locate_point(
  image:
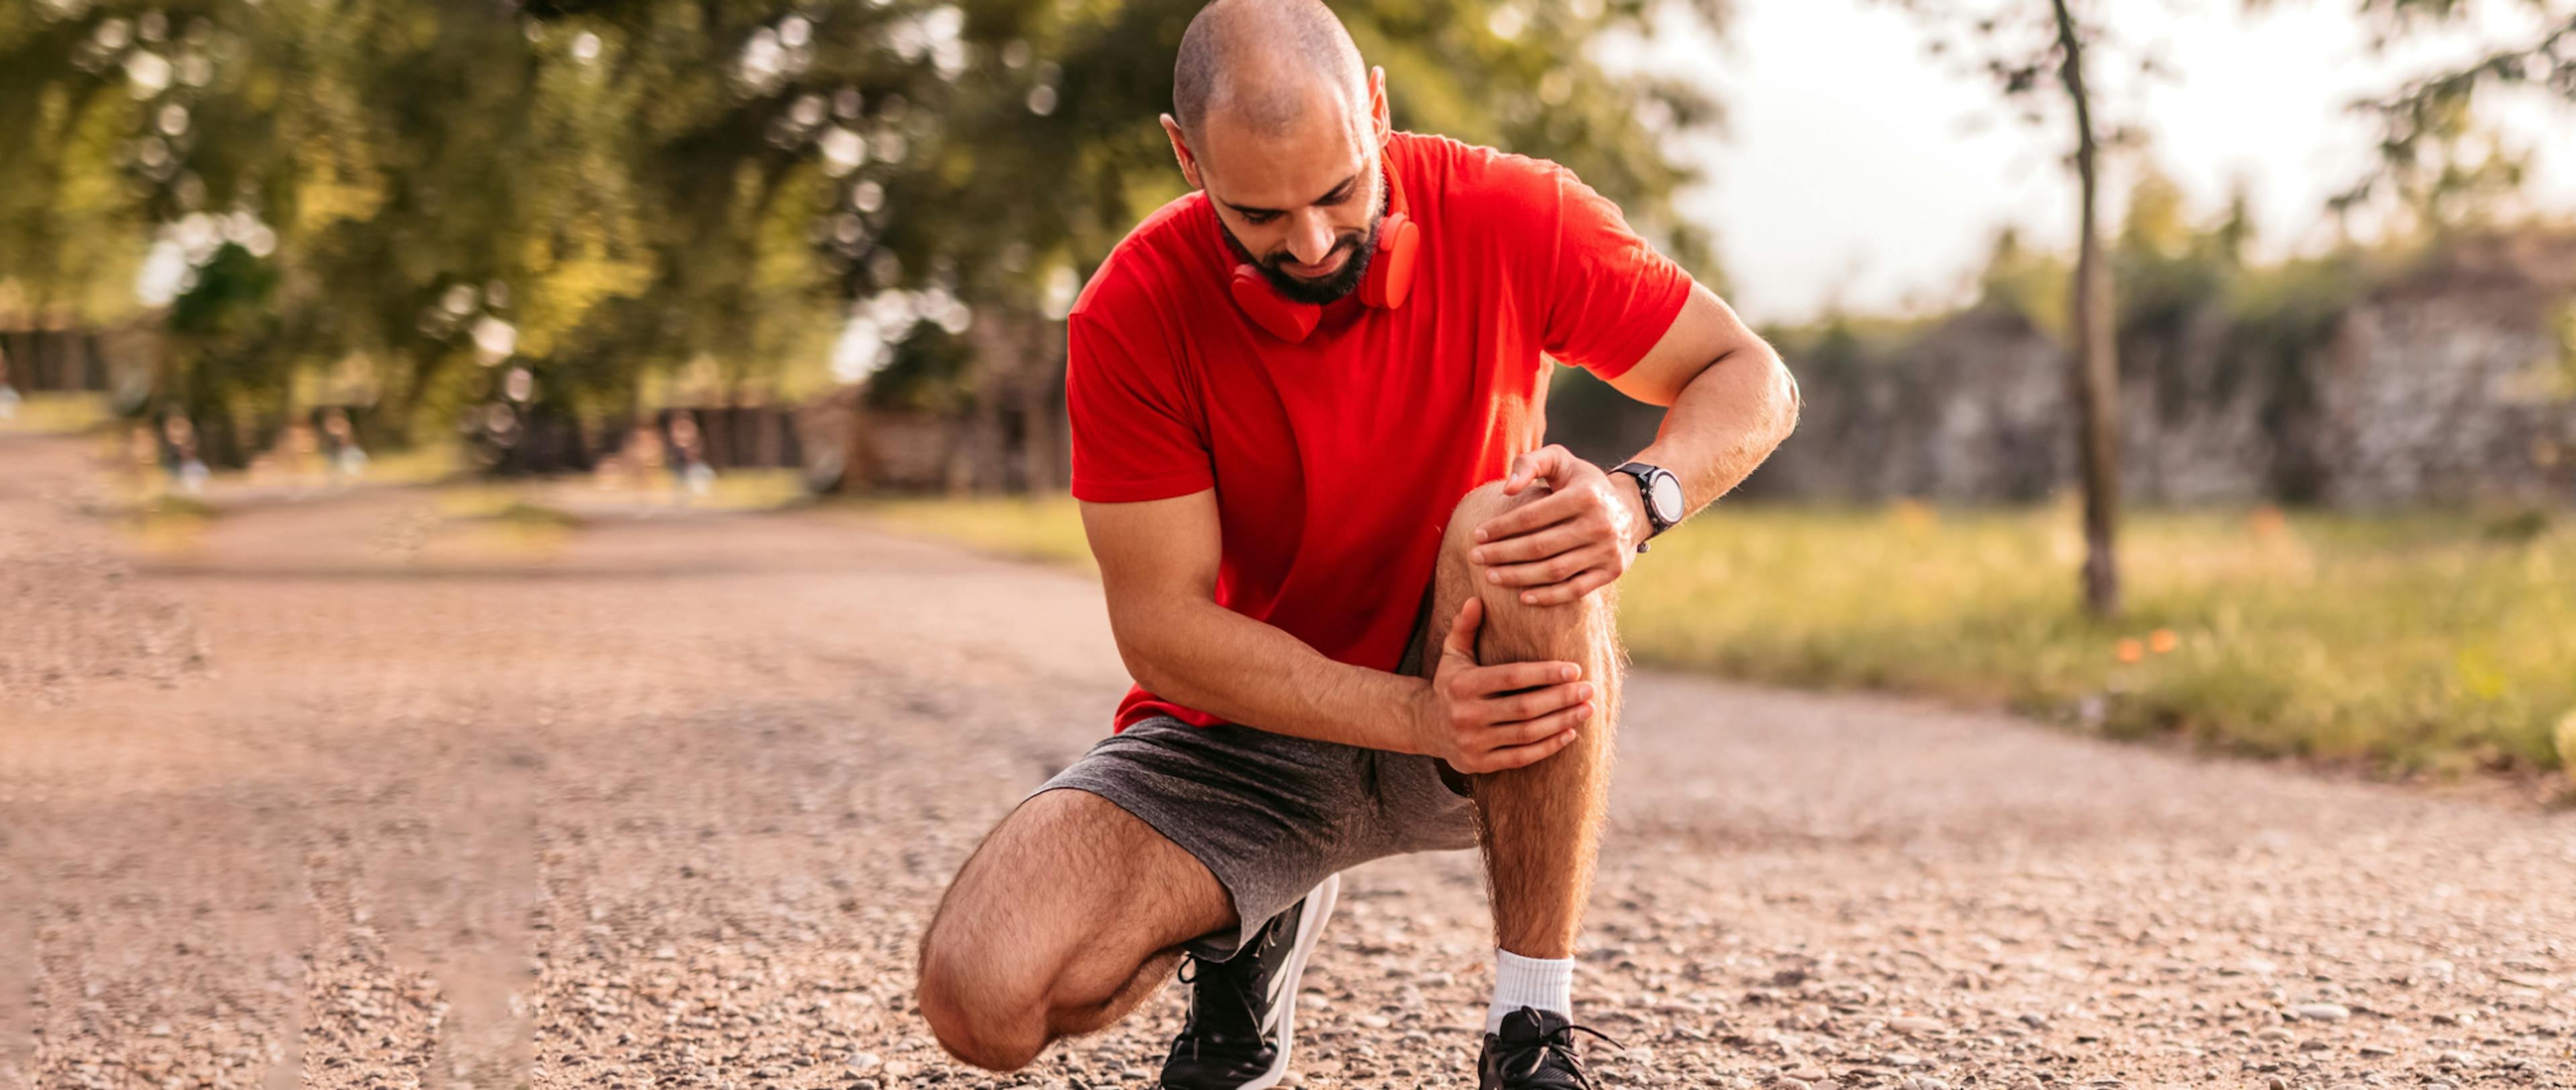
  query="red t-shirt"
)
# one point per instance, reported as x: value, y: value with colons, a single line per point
x: 1337, y: 460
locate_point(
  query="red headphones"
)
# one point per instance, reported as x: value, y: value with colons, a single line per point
x: 1389, y: 280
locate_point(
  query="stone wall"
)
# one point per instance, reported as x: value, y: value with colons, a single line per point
x: 2449, y: 384
x: 2454, y: 385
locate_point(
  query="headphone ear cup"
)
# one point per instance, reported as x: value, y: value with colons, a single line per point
x: 1284, y: 318
x: 1390, y: 275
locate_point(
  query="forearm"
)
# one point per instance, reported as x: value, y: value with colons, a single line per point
x: 1202, y: 655
x: 1726, y: 420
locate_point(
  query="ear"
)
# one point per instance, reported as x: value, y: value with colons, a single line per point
x: 1379, y: 123
x: 1181, y: 151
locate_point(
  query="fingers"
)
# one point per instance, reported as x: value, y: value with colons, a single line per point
x: 1548, y: 510
x: 1543, y: 462
x: 1510, y: 757
x: 1487, y: 739
x: 1483, y: 682
x: 1554, y: 569
x: 1522, y: 707
x: 1461, y: 640
x: 1531, y: 546
x: 1557, y: 594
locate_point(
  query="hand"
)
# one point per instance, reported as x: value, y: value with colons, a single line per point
x: 1569, y: 543
x: 1490, y: 718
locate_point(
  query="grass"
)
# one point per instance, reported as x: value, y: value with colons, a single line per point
x: 2433, y: 643
x: 58, y: 412
x: 1047, y: 529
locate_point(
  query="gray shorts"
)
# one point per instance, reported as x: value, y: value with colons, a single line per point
x: 1270, y: 815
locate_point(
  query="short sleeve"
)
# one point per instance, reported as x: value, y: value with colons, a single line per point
x: 1612, y: 296
x: 1133, y: 438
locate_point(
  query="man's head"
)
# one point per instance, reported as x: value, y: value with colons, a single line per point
x: 1274, y: 116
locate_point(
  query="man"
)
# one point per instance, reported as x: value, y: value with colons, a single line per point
x: 1368, y: 614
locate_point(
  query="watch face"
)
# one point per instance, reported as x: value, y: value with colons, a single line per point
x: 1667, y: 493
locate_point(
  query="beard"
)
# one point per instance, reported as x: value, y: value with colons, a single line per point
x: 1322, y: 290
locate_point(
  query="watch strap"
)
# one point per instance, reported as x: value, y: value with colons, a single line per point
x: 1644, y: 474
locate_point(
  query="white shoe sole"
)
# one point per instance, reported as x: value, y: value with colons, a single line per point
x: 1310, y: 927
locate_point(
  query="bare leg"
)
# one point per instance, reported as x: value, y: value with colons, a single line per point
x: 1539, y: 825
x: 1070, y: 914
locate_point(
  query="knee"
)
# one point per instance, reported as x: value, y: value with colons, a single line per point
x: 980, y: 1010
x: 1532, y: 630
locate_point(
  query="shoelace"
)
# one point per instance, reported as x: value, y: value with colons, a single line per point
x: 1562, y: 1041
x: 1241, y: 995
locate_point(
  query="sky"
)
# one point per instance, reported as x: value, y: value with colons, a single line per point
x: 1847, y: 174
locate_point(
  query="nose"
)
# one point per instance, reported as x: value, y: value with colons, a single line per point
x: 1312, y: 237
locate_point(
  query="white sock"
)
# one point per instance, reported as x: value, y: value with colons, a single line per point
x: 1529, y: 982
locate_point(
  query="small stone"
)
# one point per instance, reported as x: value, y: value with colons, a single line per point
x: 2455, y: 1058
x: 1915, y: 1026
x: 2322, y: 1012
x: 898, y: 1069
x: 864, y: 1062
x: 2034, y: 1021
x: 2273, y: 1033
x: 2276, y: 1082
x: 1807, y: 1074
x: 2377, y: 1051
x: 666, y: 954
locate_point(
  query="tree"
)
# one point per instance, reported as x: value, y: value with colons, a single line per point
x: 494, y: 210
x: 2435, y: 163
x: 2023, y: 47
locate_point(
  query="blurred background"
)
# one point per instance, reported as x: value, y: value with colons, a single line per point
x: 560, y: 257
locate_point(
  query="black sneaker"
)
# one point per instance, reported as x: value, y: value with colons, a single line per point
x: 1243, y: 1010
x: 1535, y: 1051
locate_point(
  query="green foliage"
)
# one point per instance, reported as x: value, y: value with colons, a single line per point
x: 677, y: 197
x: 2439, y: 169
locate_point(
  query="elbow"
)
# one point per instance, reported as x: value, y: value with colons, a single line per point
x: 1143, y: 654
x: 1785, y: 400
x: 1140, y: 666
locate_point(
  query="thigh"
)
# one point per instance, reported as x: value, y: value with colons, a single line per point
x: 1072, y: 890
x: 1269, y: 815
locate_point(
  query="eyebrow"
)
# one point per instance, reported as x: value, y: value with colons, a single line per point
x: 1337, y: 191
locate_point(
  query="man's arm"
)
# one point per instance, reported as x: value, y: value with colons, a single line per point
x: 1158, y: 566
x: 1731, y: 402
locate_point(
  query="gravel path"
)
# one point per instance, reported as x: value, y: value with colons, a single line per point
x: 665, y: 802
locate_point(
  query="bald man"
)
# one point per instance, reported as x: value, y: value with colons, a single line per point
x: 1367, y: 612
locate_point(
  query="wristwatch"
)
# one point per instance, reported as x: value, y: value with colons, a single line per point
x: 1663, y: 495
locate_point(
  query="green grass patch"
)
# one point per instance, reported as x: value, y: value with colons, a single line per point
x: 58, y: 413
x: 2441, y: 643
x: 1046, y: 528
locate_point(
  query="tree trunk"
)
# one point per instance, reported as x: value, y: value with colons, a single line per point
x: 1042, y: 423
x: 2097, y: 368
x: 980, y: 462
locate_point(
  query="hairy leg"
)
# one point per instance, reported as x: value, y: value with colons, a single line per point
x: 1538, y: 825
x: 1070, y: 914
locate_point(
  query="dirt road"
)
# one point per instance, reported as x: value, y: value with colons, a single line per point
x: 348, y: 794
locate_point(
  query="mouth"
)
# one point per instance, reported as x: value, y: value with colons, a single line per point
x: 1331, y: 264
